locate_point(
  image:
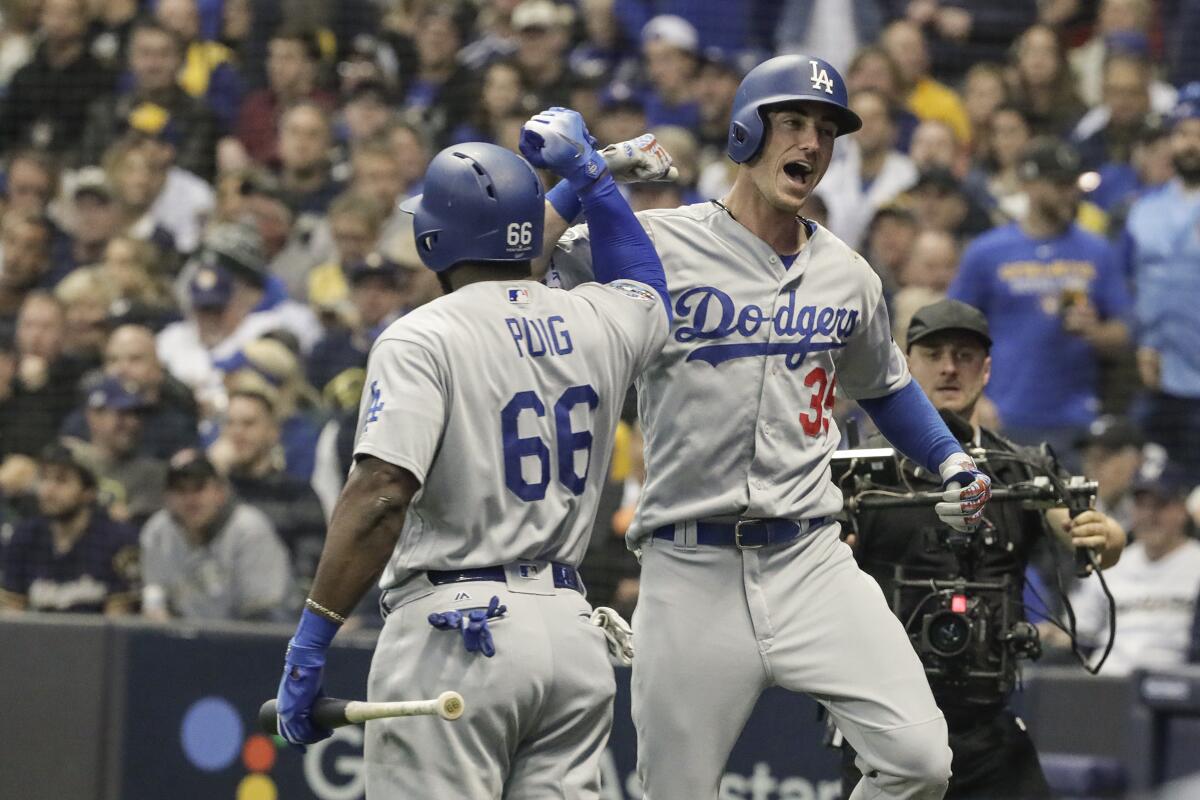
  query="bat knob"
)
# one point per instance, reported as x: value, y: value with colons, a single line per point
x: 450, y: 705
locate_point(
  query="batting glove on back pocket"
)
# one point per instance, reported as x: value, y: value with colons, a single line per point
x: 965, y: 492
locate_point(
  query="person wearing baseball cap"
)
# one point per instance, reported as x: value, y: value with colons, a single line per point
x: 71, y: 555
x: 1155, y: 584
x: 1165, y: 256
x: 1047, y: 286
x: 114, y: 411
x: 671, y: 49
x: 948, y: 344
x: 1113, y: 451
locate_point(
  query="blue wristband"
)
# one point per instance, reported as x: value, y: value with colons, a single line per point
x: 563, y: 199
x: 314, y: 630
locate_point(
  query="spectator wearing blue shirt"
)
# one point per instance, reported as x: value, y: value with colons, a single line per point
x: 1054, y: 296
x: 670, y: 48
x: 1163, y: 239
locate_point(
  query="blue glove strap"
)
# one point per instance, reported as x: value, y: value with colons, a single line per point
x: 587, y: 173
x: 563, y: 199
x: 315, y: 630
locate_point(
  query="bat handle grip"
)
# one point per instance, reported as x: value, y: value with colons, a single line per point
x: 328, y: 712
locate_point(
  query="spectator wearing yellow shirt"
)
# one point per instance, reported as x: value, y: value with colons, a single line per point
x: 927, y: 98
x: 355, y: 221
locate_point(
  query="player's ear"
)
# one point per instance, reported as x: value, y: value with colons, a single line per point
x: 987, y: 369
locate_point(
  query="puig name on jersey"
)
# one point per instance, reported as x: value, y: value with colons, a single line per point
x: 707, y: 313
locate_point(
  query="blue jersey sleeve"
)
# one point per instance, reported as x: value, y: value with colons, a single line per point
x: 909, y: 421
x: 1112, y: 293
x: 621, y: 248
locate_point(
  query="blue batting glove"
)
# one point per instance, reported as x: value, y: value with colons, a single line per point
x: 965, y: 491
x: 477, y: 636
x: 300, y: 687
x: 557, y: 139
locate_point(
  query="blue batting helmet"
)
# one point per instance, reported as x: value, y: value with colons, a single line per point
x: 785, y: 79
x: 481, y: 203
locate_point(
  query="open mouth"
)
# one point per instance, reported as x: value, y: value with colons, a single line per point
x: 797, y: 170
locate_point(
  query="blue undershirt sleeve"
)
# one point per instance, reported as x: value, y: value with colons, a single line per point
x: 910, y: 422
x: 621, y: 248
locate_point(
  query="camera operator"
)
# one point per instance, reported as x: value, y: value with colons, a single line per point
x: 948, y: 354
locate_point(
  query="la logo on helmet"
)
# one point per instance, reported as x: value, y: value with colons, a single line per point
x: 820, y: 78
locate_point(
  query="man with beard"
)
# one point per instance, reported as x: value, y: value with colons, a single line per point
x: 71, y: 556
x: 1053, y: 295
x: 1163, y: 237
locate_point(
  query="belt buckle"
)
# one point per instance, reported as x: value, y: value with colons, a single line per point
x: 737, y: 534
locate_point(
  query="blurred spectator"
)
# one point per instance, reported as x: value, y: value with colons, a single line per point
x: 47, y: 100
x: 167, y: 408
x: 97, y: 217
x: 939, y: 200
x: 133, y: 269
x: 494, y: 35
x: 365, y: 113
x: 927, y: 98
x: 1164, y: 255
x: 207, y: 556
x: 670, y: 49
x: 355, y: 221
x: 30, y: 181
x: 543, y: 36
x: 985, y: 89
x: 1042, y: 83
x: 46, y: 380
x: 185, y: 202
x: 20, y: 18
x: 824, y: 28
x: 1154, y: 585
x: 1117, y: 22
x: 112, y: 20
x: 250, y: 453
x: 605, y: 53
x: 1185, y: 50
x: 294, y: 55
x: 412, y: 150
x: 1112, y: 456
x: 935, y: 146
x: 292, y: 245
x: 269, y: 367
x: 1046, y: 286
x: 502, y: 96
x: 305, y: 142
x: 155, y: 57
x: 137, y: 179
x: 209, y: 72
x: 927, y: 274
x: 1109, y: 137
x: 623, y: 115
x: 70, y: 556
x: 232, y: 302
x: 657, y: 194
x: 872, y: 68
x: 130, y: 482
x: 377, y: 173
x: 440, y: 93
x: 964, y: 32
x: 25, y: 248
x: 1119, y: 184
x: 86, y: 299
x: 377, y: 297
x: 995, y: 176
x: 685, y: 150
x: 889, y: 240
x: 716, y: 84
x: 869, y: 173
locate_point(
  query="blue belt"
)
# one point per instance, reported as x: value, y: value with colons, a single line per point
x: 565, y: 576
x: 746, y: 534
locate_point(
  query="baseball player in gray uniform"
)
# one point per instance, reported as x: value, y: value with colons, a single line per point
x: 484, y: 436
x: 745, y: 581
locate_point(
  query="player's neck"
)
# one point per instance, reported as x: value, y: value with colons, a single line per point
x: 468, y: 273
x: 779, y: 228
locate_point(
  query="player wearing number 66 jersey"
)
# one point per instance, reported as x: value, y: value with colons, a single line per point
x: 483, y: 437
x: 745, y: 581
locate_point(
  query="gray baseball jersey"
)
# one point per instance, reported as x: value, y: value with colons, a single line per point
x: 502, y: 399
x: 737, y: 411
x: 737, y: 408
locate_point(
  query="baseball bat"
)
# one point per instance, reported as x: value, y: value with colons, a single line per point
x: 332, y: 712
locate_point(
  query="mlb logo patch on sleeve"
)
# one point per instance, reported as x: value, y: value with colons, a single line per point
x: 518, y: 295
x: 635, y: 290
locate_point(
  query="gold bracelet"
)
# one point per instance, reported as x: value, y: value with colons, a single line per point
x: 322, y: 610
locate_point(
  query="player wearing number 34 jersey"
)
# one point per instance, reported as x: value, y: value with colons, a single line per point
x: 745, y: 582
x: 484, y: 435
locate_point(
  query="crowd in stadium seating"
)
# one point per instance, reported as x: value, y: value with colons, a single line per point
x: 199, y: 240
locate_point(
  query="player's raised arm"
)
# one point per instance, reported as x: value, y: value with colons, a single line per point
x: 621, y: 249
